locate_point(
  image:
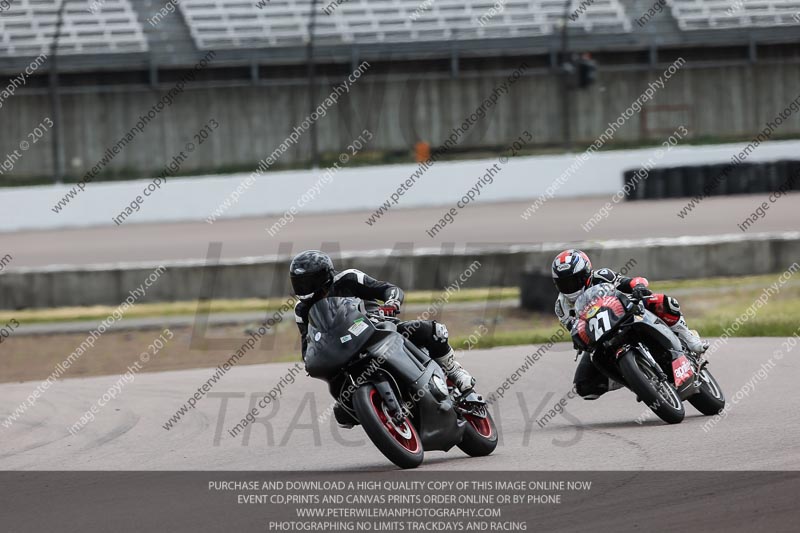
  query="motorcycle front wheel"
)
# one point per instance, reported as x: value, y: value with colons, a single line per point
x: 660, y: 396
x: 400, y: 443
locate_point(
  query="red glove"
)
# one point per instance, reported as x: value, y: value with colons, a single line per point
x: 389, y: 308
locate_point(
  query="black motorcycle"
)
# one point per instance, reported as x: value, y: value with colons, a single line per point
x: 632, y: 346
x: 391, y: 387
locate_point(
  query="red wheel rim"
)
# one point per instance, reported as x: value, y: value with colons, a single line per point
x: 481, y: 425
x: 411, y: 443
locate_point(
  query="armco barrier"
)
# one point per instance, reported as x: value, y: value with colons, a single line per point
x: 500, y: 266
x: 710, y: 179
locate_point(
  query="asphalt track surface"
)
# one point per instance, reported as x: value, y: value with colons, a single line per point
x: 559, y: 220
x: 759, y: 433
x: 758, y: 443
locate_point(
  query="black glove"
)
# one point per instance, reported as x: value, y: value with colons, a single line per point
x: 640, y: 292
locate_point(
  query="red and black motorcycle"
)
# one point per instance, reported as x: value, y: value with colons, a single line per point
x: 632, y: 346
x: 393, y: 389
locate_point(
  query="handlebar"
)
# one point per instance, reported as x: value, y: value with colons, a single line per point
x: 387, y: 318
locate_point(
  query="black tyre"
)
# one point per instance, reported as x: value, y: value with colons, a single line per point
x: 480, y: 435
x: 660, y: 397
x: 710, y: 400
x: 400, y: 444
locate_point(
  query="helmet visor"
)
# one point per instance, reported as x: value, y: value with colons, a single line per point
x: 570, y: 285
x: 306, y: 285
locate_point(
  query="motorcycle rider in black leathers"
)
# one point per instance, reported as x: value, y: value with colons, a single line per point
x: 572, y: 274
x: 313, y: 277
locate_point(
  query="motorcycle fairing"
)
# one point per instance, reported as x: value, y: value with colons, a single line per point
x: 330, y: 351
x: 331, y: 322
x: 438, y: 426
x: 654, y: 331
x: 435, y: 420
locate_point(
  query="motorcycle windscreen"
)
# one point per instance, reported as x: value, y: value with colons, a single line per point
x: 337, y: 332
x: 599, y: 310
x: 593, y: 293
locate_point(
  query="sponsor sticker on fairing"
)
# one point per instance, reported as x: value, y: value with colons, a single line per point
x: 682, y: 369
x: 345, y: 339
x: 358, y: 328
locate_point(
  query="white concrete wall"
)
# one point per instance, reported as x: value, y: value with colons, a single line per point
x: 366, y: 188
x: 422, y: 269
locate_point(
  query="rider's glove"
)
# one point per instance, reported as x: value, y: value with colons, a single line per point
x: 641, y: 292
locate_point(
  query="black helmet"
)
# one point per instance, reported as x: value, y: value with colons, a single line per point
x: 571, y: 271
x: 311, y: 273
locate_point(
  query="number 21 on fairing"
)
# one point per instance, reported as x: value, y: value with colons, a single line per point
x: 599, y: 324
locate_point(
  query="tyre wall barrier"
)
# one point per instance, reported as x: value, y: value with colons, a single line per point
x: 712, y: 180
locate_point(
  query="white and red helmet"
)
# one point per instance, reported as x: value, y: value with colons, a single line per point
x: 571, y: 272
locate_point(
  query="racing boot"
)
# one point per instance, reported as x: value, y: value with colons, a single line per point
x: 689, y: 337
x: 460, y: 377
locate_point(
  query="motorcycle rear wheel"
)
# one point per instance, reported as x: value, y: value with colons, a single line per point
x: 665, y: 403
x: 480, y: 436
x: 710, y: 400
x: 399, y: 443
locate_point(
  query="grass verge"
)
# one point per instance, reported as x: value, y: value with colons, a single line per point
x: 162, y: 309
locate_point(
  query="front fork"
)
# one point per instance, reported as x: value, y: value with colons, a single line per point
x: 686, y: 389
x: 652, y: 362
x: 393, y: 407
x: 611, y: 371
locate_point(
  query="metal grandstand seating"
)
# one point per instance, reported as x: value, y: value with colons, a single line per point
x: 240, y: 23
x: 28, y: 26
x: 239, y: 26
x: 708, y: 14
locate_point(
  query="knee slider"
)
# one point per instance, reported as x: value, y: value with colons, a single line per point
x: 672, y: 306
x: 440, y: 333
